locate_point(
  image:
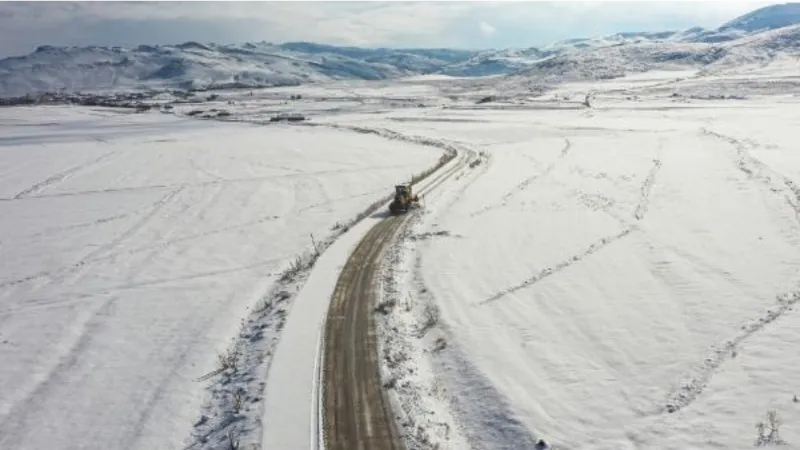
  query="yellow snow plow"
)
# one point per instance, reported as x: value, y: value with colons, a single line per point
x: 404, y: 199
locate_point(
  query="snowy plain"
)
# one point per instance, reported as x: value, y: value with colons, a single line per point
x: 623, y: 276
x: 620, y: 276
x: 133, y: 245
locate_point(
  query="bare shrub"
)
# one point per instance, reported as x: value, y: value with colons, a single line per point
x: 768, y: 431
x: 587, y: 101
x: 238, y: 400
x: 385, y: 307
x: 297, y: 265
x: 266, y: 305
x: 430, y: 317
x: 233, y: 441
x: 390, y: 384
x: 409, y: 303
x: 229, y: 360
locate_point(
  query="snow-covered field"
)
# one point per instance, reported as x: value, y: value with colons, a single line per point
x: 621, y: 276
x: 133, y: 246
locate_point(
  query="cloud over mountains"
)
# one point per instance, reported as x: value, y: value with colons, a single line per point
x: 26, y: 25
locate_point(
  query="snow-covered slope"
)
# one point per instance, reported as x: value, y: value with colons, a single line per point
x: 610, y: 61
x: 767, y: 18
x: 495, y: 62
x: 761, y: 48
x: 618, y: 60
x: 194, y: 65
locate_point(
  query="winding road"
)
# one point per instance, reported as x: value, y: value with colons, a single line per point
x: 356, y: 413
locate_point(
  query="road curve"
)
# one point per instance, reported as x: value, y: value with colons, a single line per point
x: 357, y: 415
x: 355, y: 411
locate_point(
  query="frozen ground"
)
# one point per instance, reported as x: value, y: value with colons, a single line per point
x: 619, y: 277
x: 132, y: 247
x: 623, y: 276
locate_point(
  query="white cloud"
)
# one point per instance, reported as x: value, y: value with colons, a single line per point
x: 43, y: 10
x: 23, y: 25
x: 486, y: 29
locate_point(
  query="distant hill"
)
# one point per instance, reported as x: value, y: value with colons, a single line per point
x: 194, y: 65
x: 767, y: 18
x: 604, y: 62
x: 759, y: 36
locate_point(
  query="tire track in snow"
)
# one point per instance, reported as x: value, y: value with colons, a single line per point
x: 695, y: 383
x: 544, y: 273
x: 203, y: 170
x: 526, y: 182
x: 157, y: 245
x: 60, y: 372
x: 754, y: 168
x: 59, y: 177
x: 66, y: 228
x: 141, y: 223
x: 77, y: 297
x: 340, y: 199
x: 641, y: 210
x: 254, y: 179
x: 647, y: 186
x: 92, y: 256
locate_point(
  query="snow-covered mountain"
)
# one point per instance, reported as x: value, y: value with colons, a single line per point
x: 767, y: 18
x: 617, y: 60
x: 195, y: 65
x: 496, y: 62
x: 753, y: 38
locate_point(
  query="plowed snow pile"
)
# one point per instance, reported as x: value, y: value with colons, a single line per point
x: 623, y: 277
x: 133, y: 245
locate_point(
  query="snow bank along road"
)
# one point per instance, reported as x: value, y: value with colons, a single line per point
x: 132, y: 246
x: 293, y: 380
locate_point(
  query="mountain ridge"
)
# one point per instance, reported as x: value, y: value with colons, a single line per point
x: 753, y: 37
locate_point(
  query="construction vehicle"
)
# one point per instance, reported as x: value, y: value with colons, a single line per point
x: 404, y: 199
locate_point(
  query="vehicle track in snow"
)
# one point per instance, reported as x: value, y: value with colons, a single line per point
x: 526, y: 182
x: 647, y: 186
x: 158, y: 245
x: 254, y: 179
x: 698, y: 379
x: 641, y: 210
x: 546, y: 272
x: 94, y: 255
x: 755, y: 169
x: 59, y: 177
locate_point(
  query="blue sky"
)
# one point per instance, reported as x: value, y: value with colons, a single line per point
x: 25, y: 25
